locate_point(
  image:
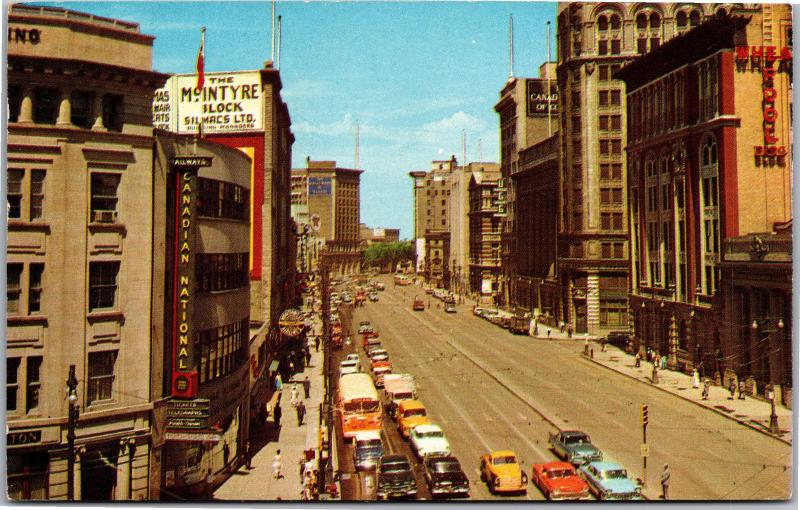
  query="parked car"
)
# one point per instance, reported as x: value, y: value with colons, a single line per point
x: 364, y: 327
x: 609, y: 480
x: 349, y: 367
x: 418, y: 305
x: 395, y: 477
x: 445, y: 476
x: 501, y: 471
x: 575, y: 446
x: 367, y: 450
x: 477, y: 311
x: 380, y: 369
x: 380, y: 286
x: 559, y: 480
x: 373, y: 296
x: 428, y: 439
x: 450, y: 307
x: 351, y: 357
x: 372, y: 353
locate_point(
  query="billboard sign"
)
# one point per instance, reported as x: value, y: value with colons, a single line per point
x: 319, y: 185
x: 540, y: 99
x: 229, y: 102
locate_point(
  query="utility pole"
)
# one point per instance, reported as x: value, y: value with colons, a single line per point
x: 645, y: 447
x: 72, y: 420
x: 325, y: 291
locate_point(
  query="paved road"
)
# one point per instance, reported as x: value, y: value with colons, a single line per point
x: 490, y: 389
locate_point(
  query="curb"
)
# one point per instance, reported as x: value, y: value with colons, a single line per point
x: 699, y: 404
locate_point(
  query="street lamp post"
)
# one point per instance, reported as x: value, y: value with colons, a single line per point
x: 763, y: 325
x: 72, y: 420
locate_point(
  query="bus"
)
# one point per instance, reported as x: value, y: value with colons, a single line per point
x: 358, y: 405
x: 401, y: 279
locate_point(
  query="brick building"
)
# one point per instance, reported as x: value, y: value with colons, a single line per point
x: 708, y: 164
x: 484, y: 236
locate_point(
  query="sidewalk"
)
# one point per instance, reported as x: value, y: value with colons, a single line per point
x: 752, y: 412
x: 257, y: 483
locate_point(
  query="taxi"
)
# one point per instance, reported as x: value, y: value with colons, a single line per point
x: 502, y: 472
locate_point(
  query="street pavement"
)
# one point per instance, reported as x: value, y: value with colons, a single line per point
x: 489, y: 389
x: 258, y: 483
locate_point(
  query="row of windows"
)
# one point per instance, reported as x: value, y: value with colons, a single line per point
x: 611, y: 147
x: 610, y: 122
x: 45, y: 103
x: 222, y: 349
x: 221, y: 271
x: 219, y: 199
x: 612, y: 250
x: 611, y: 196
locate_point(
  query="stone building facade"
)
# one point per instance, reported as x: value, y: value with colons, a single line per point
x: 484, y: 236
x: 80, y: 256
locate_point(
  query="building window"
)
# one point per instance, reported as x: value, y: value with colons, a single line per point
x: 616, y: 122
x: 45, y: 105
x: 15, y: 176
x: 616, y: 98
x: 616, y: 46
x: 112, y: 112
x: 222, y: 349
x: 35, y: 288
x: 603, y: 123
x: 618, y: 251
x: 602, y: 47
x: 14, y: 102
x: 102, y: 285
x: 604, y: 147
x: 101, y: 376
x: 221, y: 271
x: 694, y: 18
x: 33, y: 383
x: 81, y: 103
x: 602, y: 97
x: 219, y: 199
x: 13, y: 288
x: 12, y: 383
x: 27, y: 476
x: 104, y: 197
x: 602, y: 73
x: 576, y: 99
x: 37, y: 194
x: 681, y: 19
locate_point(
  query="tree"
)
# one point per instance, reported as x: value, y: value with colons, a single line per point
x: 383, y: 254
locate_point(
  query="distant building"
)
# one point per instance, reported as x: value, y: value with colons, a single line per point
x: 82, y: 286
x: 484, y: 236
x: 709, y: 181
x: 371, y: 235
x: 329, y: 197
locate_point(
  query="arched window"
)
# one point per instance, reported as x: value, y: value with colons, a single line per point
x: 710, y: 227
x: 681, y: 19
x: 655, y: 20
x: 694, y: 18
x: 722, y: 12
x: 641, y: 21
x: 616, y: 22
x: 602, y: 23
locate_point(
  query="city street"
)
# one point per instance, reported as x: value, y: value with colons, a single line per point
x: 489, y: 389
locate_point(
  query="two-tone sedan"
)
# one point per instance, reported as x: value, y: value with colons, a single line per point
x: 559, y: 480
x: 609, y: 481
x: 502, y: 472
x: 428, y: 439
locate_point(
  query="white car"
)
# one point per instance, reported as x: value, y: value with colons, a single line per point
x: 429, y: 439
x: 351, y: 357
x: 378, y: 355
x: 349, y: 367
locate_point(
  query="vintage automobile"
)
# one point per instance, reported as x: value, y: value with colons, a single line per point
x: 371, y: 342
x: 609, y: 481
x: 380, y: 286
x: 351, y: 357
x: 559, y: 480
x: 574, y: 446
x: 367, y: 450
x: 397, y: 388
x: 410, y: 413
x: 477, y: 311
x: 373, y: 296
x: 379, y: 370
x: 445, y: 477
x: 349, y: 367
x: 418, y: 305
x: 450, y: 307
x: 502, y: 472
x: 427, y: 440
x: 378, y: 354
x: 395, y: 478
x: 364, y: 327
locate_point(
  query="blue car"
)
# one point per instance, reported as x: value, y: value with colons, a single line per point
x: 609, y: 480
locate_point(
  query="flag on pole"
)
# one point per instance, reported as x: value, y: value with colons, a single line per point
x: 201, y: 57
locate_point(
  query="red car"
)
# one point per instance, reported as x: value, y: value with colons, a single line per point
x: 559, y: 480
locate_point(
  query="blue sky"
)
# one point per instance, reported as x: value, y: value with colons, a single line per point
x: 414, y: 75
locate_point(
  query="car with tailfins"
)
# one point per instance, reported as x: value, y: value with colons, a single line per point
x: 428, y: 439
x: 444, y: 476
x: 559, y: 480
x: 574, y: 446
x: 609, y: 481
x: 502, y: 472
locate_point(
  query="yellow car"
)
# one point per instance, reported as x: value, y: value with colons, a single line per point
x: 502, y: 472
x: 410, y: 413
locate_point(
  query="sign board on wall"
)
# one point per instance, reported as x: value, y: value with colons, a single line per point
x: 540, y: 99
x: 228, y: 103
x: 319, y: 185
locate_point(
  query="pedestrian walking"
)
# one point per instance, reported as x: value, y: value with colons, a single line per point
x: 291, y: 368
x: 603, y: 344
x: 706, y: 385
x: 248, y: 452
x: 277, y: 466
x: 278, y: 382
x: 308, y: 356
x: 665, y: 483
x: 732, y: 388
x: 306, y: 386
x: 316, y: 343
x: 301, y: 412
x: 209, y: 485
x: 226, y: 453
x: 695, y: 379
x: 276, y: 414
x: 741, y: 389
x: 586, y: 346
x: 637, y: 360
x: 569, y: 331
x: 295, y: 397
x: 302, y: 464
x: 561, y: 325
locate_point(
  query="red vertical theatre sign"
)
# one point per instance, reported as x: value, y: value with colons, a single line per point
x: 768, y: 60
x: 184, y: 371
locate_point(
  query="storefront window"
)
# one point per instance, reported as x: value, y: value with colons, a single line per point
x: 27, y: 476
